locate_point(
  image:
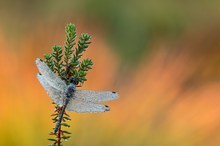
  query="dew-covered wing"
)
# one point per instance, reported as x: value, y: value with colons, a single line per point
x: 80, y: 106
x: 56, y: 95
x: 95, y: 96
x: 52, y: 79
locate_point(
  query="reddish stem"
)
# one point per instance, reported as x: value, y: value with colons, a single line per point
x: 58, y: 110
x: 58, y: 137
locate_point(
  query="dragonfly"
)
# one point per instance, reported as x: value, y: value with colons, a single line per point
x: 68, y: 97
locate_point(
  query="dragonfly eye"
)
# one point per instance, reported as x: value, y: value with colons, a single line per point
x: 74, y: 81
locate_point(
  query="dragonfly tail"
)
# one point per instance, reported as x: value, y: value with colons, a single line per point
x: 56, y: 127
x: 61, y: 116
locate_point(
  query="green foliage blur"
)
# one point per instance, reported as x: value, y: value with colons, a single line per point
x: 131, y: 26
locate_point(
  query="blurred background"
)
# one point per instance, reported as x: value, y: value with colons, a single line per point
x: 163, y: 57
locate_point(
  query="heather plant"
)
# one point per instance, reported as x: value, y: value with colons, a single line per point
x: 66, y: 63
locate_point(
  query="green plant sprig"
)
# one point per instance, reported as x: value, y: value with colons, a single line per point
x: 66, y: 64
x: 70, y: 42
x: 79, y: 69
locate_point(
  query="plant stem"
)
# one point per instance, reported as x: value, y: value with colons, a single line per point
x: 59, y: 135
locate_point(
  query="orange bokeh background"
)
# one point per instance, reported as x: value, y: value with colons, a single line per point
x: 168, y: 97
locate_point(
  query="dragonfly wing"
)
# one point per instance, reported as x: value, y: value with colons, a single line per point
x: 95, y: 96
x: 51, y: 78
x: 80, y: 106
x: 55, y: 95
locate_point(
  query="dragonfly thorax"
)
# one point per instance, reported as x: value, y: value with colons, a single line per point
x: 70, y: 90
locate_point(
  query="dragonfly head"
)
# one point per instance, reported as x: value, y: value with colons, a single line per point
x: 74, y: 81
x: 70, y: 90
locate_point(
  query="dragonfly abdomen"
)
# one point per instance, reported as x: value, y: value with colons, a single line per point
x: 61, y: 116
